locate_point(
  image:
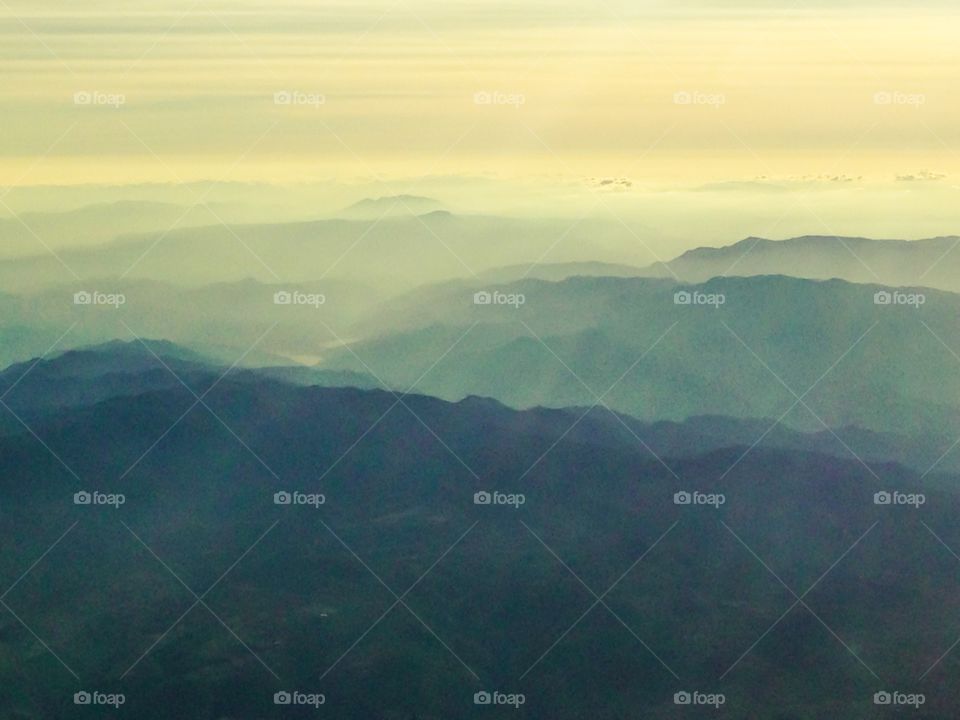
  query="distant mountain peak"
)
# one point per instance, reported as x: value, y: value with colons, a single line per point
x: 393, y: 206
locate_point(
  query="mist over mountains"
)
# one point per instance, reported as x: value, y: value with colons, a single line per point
x: 402, y: 241
x: 31, y: 233
x: 202, y: 284
x: 772, y: 340
x: 467, y: 360
x: 224, y: 320
x: 395, y: 252
x: 583, y: 329
x: 397, y: 364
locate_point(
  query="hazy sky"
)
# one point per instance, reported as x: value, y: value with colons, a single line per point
x: 657, y: 92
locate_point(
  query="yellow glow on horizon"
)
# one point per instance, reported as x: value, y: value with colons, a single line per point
x: 660, y: 95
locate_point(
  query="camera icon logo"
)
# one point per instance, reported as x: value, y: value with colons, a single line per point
x: 482, y: 298
x: 482, y: 698
x: 682, y: 698
x: 682, y: 498
x: 882, y: 698
x: 282, y: 698
x: 882, y: 498
x: 482, y: 498
x: 82, y: 698
x: 82, y: 498
x: 482, y: 98
x: 282, y: 498
x: 882, y: 297
x: 284, y: 97
x: 82, y: 298
x: 682, y: 297
x: 683, y: 97
x: 282, y: 297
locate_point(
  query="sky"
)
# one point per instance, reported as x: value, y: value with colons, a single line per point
x: 550, y: 99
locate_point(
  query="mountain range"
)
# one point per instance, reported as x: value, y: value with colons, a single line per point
x: 814, y: 354
x: 491, y: 597
x: 396, y: 252
x: 929, y: 262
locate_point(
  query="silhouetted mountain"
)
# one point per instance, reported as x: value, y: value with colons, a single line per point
x: 929, y: 263
x: 42, y: 389
x: 398, y: 585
